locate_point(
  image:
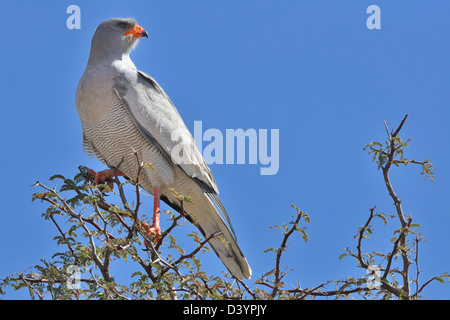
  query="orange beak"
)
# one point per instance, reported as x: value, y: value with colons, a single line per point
x: 136, y: 31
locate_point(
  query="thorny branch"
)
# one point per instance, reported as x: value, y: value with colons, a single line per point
x: 280, y: 251
x: 386, y: 157
x: 164, y: 274
x: 156, y: 267
x: 393, y: 154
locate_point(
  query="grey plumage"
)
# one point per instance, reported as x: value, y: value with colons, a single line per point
x: 124, y: 110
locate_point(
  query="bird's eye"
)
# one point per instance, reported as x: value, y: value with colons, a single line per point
x: 122, y: 25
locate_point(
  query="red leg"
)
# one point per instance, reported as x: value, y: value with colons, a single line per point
x: 154, y: 228
x: 106, y: 176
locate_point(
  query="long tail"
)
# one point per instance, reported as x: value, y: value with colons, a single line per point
x: 207, y: 217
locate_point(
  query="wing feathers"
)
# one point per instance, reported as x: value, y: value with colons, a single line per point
x: 207, y: 188
x: 157, y: 118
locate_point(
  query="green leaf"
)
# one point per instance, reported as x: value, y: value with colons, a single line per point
x: 382, y: 217
x: 304, y: 234
x: 439, y: 279
x: 57, y: 176
x: 343, y: 255
x: 270, y: 250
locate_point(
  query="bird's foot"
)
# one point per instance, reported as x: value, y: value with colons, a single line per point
x: 151, y: 232
x: 105, y: 177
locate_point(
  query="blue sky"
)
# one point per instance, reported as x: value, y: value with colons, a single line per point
x: 311, y: 69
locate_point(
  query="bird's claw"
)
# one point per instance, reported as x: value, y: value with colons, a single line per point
x: 151, y: 232
x: 105, y: 176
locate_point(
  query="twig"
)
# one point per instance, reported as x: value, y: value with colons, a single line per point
x: 280, y: 251
x: 168, y: 230
x: 400, y: 126
x: 98, y: 262
x: 398, y: 206
x: 190, y: 255
x: 21, y: 277
x: 417, y: 267
x: 64, y: 237
x: 361, y: 236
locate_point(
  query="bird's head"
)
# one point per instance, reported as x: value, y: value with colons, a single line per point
x: 118, y: 34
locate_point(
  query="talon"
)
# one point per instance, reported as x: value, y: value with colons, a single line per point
x: 106, y: 176
x: 154, y: 229
x: 151, y: 231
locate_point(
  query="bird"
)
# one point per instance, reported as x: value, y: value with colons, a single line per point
x: 125, y: 114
